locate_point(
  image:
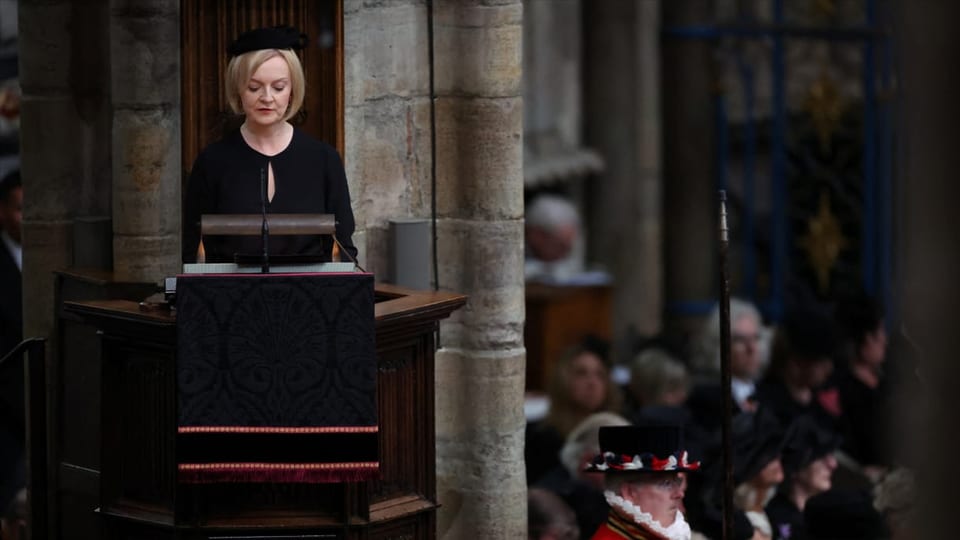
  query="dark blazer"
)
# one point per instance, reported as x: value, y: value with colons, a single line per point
x: 11, y: 302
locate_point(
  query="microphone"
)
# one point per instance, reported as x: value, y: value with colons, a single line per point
x: 265, y: 228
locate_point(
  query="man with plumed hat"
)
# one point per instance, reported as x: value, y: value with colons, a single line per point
x: 644, y: 471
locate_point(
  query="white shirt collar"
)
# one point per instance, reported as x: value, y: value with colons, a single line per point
x: 741, y: 390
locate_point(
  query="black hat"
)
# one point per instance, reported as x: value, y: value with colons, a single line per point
x: 650, y: 448
x: 757, y: 440
x: 712, y: 524
x: 277, y: 37
x: 842, y: 515
x: 810, y: 331
x: 805, y: 442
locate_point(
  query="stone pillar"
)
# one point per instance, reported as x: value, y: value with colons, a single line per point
x: 145, y: 84
x: 689, y: 81
x: 927, y: 195
x: 387, y: 120
x: 481, y: 364
x: 65, y: 121
x: 622, y: 120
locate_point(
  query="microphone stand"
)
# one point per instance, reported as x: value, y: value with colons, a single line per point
x: 265, y: 228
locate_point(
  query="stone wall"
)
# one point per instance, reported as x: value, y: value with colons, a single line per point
x: 479, y: 115
x: 145, y: 86
x: 64, y: 139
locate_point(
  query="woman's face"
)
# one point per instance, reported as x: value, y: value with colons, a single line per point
x: 770, y: 475
x: 874, y: 347
x: 587, y: 381
x: 266, y: 95
x: 817, y: 477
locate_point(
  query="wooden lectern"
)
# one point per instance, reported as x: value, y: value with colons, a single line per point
x: 140, y: 495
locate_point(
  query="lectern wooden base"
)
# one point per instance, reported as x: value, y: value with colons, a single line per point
x: 140, y: 497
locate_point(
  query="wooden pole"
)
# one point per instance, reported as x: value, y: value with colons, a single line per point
x: 725, y: 372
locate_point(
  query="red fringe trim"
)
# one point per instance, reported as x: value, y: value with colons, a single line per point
x: 269, y: 429
x: 278, y: 475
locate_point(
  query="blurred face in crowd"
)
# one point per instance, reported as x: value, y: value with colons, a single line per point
x: 873, y: 350
x: 551, y: 245
x: 770, y: 475
x: 587, y: 380
x: 817, y: 477
x: 660, y: 495
x: 11, y: 214
x: 267, y: 94
x: 745, y: 348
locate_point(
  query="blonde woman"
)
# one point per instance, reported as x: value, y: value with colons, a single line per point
x: 267, y: 162
x: 580, y: 385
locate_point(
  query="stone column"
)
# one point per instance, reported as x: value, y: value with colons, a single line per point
x: 481, y: 363
x: 622, y: 118
x: 928, y: 261
x: 145, y: 84
x: 689, y: 159
x: 65, y: 126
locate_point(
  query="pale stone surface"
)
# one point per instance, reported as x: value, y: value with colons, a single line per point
x: 146, y: 157
x: 480, y: 478
x: 480, y: 158
x: 478, y: 50
x: 47, y: 247
x: 49, y: 125
x: 145, y: 58
x: 386, y: 51
x: 145, y: 259
x: 388, y: 144
x: 44, y: 46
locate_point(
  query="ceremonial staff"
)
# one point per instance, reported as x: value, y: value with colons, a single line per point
x: 725, y: 372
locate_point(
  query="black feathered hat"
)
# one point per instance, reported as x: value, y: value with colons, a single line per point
x: 757, y: 440
x: 276, y: 37
x: 649, y: 448
x: 805, y: 442
x: 842, y: 515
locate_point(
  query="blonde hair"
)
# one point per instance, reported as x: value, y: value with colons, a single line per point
x: 654, y: 373
x: 564, y: 414
x: 243, y: 66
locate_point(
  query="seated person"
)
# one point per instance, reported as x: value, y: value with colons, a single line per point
x: 554, y: 239
x: 581, y: 490
x: 808, y: 465
x: 549, y: 518
x: 580, y: 385
x: 801, y: 362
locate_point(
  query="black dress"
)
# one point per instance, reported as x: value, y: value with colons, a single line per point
x: 226, y: 179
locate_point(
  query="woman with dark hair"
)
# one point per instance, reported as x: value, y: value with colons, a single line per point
x: 808, y: 465
x: 801, y: 363
x: 861, y: 385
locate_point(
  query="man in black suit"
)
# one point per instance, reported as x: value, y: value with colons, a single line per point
x: 12, y: 470
x: 11, y: 303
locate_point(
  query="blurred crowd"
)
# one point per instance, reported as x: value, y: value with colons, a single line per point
x: 818, y: 409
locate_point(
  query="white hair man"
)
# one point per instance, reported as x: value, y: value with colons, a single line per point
x: 644, y: 471
x: 554, y: 239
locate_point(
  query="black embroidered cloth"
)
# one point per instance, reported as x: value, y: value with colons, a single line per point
x: 276, y: 378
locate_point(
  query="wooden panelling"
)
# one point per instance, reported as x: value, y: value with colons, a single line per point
x: 208, y: 26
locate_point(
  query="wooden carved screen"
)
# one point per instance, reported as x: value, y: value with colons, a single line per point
x: 208, y: 26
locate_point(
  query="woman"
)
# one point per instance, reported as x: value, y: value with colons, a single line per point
x: 808, y: 465
x: 267, y: 162
x: 580, y: 386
